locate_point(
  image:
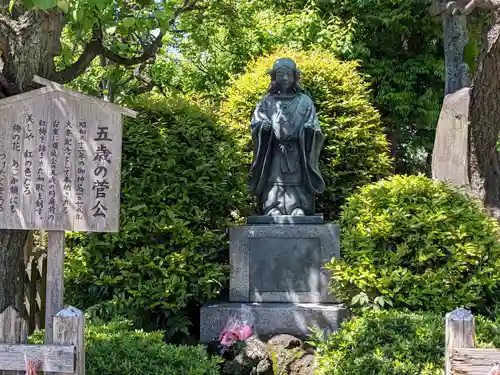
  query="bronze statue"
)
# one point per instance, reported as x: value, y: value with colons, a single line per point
x: 287, y: 138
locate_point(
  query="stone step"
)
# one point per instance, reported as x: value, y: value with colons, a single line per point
x: 272, y: 318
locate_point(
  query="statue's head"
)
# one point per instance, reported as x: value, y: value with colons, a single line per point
x: 284, y: 76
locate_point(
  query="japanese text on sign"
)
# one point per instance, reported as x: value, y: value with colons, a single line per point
x: 60, y: 170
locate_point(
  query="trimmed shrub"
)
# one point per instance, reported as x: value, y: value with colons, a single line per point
x: 180, y: 190
x: 355, y: 150
x: 114, y: 348
x: 384, y: 343
x: 416, y: 243
x: 393, y: 343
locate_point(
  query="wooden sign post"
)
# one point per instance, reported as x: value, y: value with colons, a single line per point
x: 60, y: 162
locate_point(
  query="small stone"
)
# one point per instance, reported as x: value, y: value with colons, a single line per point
x: 460, y: 314
x: 252, y: 360
x: 303, y: 365
x: 264, y: 367
x: 287, y: 341
x: 290, y: 356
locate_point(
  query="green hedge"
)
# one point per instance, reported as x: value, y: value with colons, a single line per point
x: 355, y: 150
x: 418, y: 244
x: 393, y: 343
x: 181, y: 189
x: 114, y: 348
x: 384, y: 343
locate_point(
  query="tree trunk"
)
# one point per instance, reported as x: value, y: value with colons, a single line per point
x: 448, y: 157
x: 30, y: 47
x: 29, y: 44
x: 455, y: 39
x: 484, y: 128
x: 11, y: 262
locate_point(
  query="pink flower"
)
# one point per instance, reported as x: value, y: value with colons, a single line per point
x: 228, y: 337
x: 245, y: 332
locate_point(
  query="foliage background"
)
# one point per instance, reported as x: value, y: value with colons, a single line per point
x: 181, y: 189
x: 400, y: 48
x: 398, y: 45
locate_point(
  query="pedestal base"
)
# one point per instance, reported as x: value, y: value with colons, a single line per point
x: 282, y: 263
x: 272, y: 318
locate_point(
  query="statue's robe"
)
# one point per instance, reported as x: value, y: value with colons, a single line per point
x: 285, y: 173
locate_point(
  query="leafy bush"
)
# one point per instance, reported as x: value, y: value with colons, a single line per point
x: 114, y: 348
x: 393, y: 343
x: 384, y: 343
x: 355, y: 150
x: 417, y: 243
x: 180, y: 191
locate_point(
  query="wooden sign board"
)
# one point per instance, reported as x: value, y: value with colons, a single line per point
x: 60, y: 161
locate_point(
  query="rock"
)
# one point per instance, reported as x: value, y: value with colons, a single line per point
x: 451, y: 150
x: 281, y: 355
x: 254, y: 359
x: 289, y: 356
x: 287, y: 341
x: 303, y: 365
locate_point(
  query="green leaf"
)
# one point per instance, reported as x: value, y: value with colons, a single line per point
x: 158, y: 14
x: 129, y: 22
x: 63, y: 5
x: 46, y: 4
x: 111, y: 30
x: 66, y: 54
x: 122, y: 46
x: 379, y: 301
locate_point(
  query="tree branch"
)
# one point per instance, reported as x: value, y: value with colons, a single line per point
x: 148, y: 82
x: 91, y: 51
x: 95, y: 47
x: 149, y: 52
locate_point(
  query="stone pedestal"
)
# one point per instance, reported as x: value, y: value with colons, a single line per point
x: 277, y: 271
x: 281, y: 262
x: 273, y: 318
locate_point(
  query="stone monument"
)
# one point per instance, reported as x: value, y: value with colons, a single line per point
x: 277, y: 258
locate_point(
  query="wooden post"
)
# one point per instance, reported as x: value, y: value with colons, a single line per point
x: 14, y: 352
x: 69, y: 329
x: 41, y: 288
x: 30, y: 293
x: 55, y: 280
x: 460, y: 333
x: 13, y: 330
